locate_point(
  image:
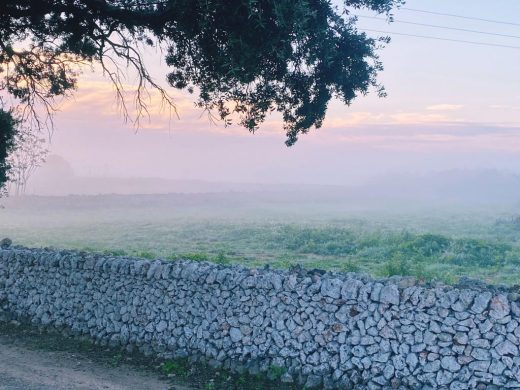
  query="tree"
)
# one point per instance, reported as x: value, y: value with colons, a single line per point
x: 7, y: 133
x: 28, y: 153
x: 243, y: 58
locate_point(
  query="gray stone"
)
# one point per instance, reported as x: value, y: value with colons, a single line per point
x: 388, y: 372
x: 499, y: 307
x: 161, y: 326
x: 350, y: 289
x: 287, y: 378
x: 399, y: 363
x: 432, y: 366
x: 461, y: 338
x: 497, y: 367
x: 235, y: 334
x: 5, y: 243
x: 456, y: 385
x: 313, y: 382
x: 444, y: 378
x: 481, y: 354
x: 331, y: 288
x: 480, y: 343
x: 507, y: 348
x: 481, y: 302
x: 412, y: 360
x: 276, y: 281
x: 389, y: 294
x: 450, y: 363
x: 479, y: 365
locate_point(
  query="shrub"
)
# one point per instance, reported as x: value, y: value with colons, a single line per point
x: 472, y: 252
x: 429, y: 244
x: 319, y: 241
x: 399, y: 264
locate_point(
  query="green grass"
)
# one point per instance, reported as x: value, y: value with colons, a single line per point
x: 482, y: 244
x: 178, y: 368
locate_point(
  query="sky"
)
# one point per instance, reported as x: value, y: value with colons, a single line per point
x: 450, y: 105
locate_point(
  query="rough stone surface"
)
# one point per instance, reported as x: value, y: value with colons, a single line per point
x: 5, y: 243
x: 481, y: 302
x: 390, y: 294
x: 326, y: 330
x: 499, y: 307
x: 450, y: 363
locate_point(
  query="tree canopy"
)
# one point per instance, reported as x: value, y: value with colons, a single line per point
x: 241, y: 58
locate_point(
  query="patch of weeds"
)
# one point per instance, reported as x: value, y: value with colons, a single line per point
x: 242, y: 380
x: 473, y: 252
x: 146, y: 255
x: 115, y: 252
x: 349, y: 266
x: 177, y: 368
x: 116, y: 360
x: 210, y: 385
x: 421, y: 272
x: 283, y: 262
x: 190, y: 256
x: 275, y: 372
x: 397, y: 265
x: 222, y: 259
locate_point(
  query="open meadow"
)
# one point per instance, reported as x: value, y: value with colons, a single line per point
x: 315, y: 230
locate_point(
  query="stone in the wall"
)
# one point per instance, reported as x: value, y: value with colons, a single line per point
x: 389, y: 294
x: 481, y: 302
x: 499, y: 307
x: 331, y: 288
x: 350, y: 289
x: 5, y: 243
x: 235, y: 334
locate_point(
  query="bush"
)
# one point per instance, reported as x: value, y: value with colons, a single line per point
x: 350, y: 266
x: 429, y: 245
x: 320, y: 241
x: 222, y: 259
x: 472, y: 252
x: 399, y: 265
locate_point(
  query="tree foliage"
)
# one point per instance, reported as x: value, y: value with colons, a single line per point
x: 7, y: 134
x: 27, y: 154
x: 243, y: 58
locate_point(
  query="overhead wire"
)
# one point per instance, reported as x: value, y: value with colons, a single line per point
x: 461, y: 16
x: 442, y: 27
x: 443, y: 39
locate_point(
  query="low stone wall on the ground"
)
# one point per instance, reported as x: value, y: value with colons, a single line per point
x: 332, y: 330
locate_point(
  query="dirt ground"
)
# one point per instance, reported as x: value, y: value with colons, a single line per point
x: 34, y: 360
x: 27, y: 365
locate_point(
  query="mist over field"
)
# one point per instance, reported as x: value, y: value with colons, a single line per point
x: 465, y: 187
x: 438, y: 225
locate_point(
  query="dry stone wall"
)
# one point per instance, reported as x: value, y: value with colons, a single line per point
x: 328, y: 330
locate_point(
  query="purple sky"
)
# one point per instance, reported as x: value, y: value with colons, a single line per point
x: 450, y: 105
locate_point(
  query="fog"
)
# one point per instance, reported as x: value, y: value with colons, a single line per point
x: 451, y: 187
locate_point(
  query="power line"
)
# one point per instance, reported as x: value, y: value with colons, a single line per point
x: 444, y: 27
x: 443, y: 39
x: 460, y: 16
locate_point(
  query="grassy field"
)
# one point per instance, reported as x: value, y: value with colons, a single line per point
x: 441, y: 243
